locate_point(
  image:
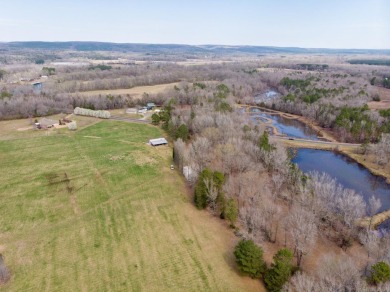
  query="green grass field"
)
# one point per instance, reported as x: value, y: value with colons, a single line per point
x: 99, y: 210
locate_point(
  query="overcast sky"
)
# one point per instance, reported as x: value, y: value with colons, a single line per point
x: 298, y: 23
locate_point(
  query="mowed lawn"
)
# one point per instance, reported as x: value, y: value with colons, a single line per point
x: 99, y: 210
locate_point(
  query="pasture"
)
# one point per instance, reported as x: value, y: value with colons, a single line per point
x: 136, y: 92
x: 99, y: 210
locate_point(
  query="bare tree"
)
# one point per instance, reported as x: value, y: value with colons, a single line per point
x: 301, y: 282
x: 200, y: 153
x: 338, y: 272
x: 373, y: 207
x: 212, y: 193
x: 303, y: 231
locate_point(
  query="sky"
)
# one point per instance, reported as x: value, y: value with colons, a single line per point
x: 360, y: 24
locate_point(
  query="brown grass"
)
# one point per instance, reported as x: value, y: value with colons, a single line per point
x: 136, y: 92
x: 384, y: 103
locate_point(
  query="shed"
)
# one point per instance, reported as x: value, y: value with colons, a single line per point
x: 158, y: 142
x: 47, y: 123
x: 37, y: 85
x: 150, y: 105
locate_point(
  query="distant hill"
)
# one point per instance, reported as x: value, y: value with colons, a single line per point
x: 176, y: 48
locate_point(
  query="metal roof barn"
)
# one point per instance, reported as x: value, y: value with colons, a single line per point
x: 158, y: 142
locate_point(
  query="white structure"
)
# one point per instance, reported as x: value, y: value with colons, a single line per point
x: 131, y: 111
x: 158, y: 142
x: 188, y: 173
x: 88, y: 112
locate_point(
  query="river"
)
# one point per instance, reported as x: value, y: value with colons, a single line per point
x: 345, y: 170
x: 289, y: 127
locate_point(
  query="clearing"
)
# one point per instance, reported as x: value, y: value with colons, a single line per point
x: 136, y: 92
x: 88, y: 214
x: 384, y: 103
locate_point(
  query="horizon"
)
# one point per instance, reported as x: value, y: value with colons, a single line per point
x: 195, y: 45
x: 329, y: 25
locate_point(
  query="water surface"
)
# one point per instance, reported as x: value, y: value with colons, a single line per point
x: 347, y: 172
x: 289, y: 127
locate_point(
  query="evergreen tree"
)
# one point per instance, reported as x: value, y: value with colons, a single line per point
x: 200, y: 197
x: 182, y: 132
x: 280, y: 270
x: 249, y: 258
x: 380, y: 272
x: 201, y: 194
x: 155, y: 119
x: 231, y: 211
x: 264, y: 142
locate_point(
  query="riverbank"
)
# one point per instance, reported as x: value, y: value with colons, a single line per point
x: 368, y: 162
x: 348, y: 149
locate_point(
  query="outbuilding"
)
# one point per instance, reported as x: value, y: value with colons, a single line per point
x: 47, y: 123
x: 158, y: 142
x: 150, y: 106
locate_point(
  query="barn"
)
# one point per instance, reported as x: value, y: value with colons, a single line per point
x: 158, y: 142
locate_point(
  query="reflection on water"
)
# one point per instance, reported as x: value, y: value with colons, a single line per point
x: 347, y: 172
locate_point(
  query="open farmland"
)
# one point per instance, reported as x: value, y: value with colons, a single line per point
x: 136, y: 92
x: 99, y: 210
x: 384, y: 103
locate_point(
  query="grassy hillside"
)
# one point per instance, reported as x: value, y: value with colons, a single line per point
x: 99, y: 210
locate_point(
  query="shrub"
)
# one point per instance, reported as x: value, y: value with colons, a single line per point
x: 72, y: 126
x: 380, y: 272
x: 249, y: 258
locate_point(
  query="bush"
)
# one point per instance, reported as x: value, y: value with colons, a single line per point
x: 380, y: 272
x: 249, y: 258
x: 280, y: 270
x: 4, y: 273
x: 72, y: 126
